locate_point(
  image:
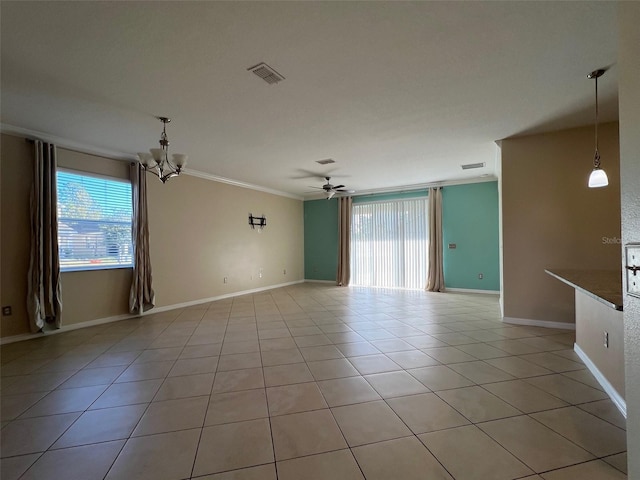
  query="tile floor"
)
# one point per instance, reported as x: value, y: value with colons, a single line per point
x: 308, y: 382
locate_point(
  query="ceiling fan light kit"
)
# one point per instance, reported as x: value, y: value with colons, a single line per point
x: 598, y: 177
x: 331, y: 190
x: 157, y: 161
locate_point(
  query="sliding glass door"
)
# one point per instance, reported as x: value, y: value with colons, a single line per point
x: 389, y: 244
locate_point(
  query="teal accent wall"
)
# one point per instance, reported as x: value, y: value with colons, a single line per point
x: 470, y: 220
x: 321, y: 239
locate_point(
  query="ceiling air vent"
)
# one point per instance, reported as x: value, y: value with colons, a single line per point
x: 326, y: 161
x: 469, y: 166
x: 266, y: 73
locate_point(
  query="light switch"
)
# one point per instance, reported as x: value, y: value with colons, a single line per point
x: 452, y: 246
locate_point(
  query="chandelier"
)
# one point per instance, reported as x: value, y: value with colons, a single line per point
x: 157, y: 162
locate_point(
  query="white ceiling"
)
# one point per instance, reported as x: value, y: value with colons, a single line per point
x: 397, y: 93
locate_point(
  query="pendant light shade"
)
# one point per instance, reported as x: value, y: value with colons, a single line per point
x: 598, y: 177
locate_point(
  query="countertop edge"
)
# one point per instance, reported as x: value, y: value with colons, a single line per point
x: 608, y: 303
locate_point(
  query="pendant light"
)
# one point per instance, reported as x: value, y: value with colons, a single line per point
x: 157, y: 162
x: 598, y: 177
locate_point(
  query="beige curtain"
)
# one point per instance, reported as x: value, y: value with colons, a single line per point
x: 141, y: 297
x: 344, y: 241
x: 435, y: 280
x: 44, y: 293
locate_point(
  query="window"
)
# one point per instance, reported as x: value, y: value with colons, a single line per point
x: 94, y: 222
x: 389, y: 244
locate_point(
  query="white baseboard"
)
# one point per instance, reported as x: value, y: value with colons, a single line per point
x: 311, y: 280
x: 471, y: 290
x: 539, y: 323
x: 218, y: 297
x: 616, y: 398
x: 126, y: 316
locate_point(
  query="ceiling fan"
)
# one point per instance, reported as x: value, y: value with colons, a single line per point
x: 331, y: 190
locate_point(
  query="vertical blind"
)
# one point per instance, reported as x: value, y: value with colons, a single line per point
x: 94, y: 222
x: 389, y: 244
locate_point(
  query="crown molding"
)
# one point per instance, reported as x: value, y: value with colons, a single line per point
x: 115, y: 155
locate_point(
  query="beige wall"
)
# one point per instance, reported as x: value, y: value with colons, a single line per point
x: 593, y: 318
x: 199, y: 235
x: 629, y: 80
x: 551, y: 219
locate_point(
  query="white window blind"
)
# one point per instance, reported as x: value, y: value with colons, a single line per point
x: 94, y: 222
x: 389, y: 244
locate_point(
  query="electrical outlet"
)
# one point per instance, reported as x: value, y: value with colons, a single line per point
x: 260, y: 273
x: 284, y: 271
x: 606, y: 339
x: 480, y: 276
x: 225, y: 280
x: 6, y: 311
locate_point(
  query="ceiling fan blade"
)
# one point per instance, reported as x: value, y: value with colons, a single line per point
x: 338, y: 186
x: 343, y: 190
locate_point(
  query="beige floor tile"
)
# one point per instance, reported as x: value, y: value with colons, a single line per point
x: 159, y: 355
x: 103, y: 425
x: 412, y: 359
x: 482, y: 351
x: 185, y: 386
x: 395, y: 384
x: 277, y: 344
x: 539, y: 447
x: 584, y: 376
x: 369, y: 423
x: 78, y: 463
x: 238, y: 361
x: 110, y: 359
x: 357, y: 349
x: 262, y: 472
x: 287, y: 374
x: 196, y: 351
x: 236, y: 407
x: 172, y: 415
x: 425, y: 341
x: 596, y: 469
x: 312, y: 340
x: 369, y: 364
x: 33, y: 434
x: 328, y: 369
x: 300, y: 397
x: 304, y: 331
x: 447, y: 355
x: 42, y: 382
x: 13, y: 468
x: 468, y: 453
x: 155, y: 457
x: 233, y: 446
x: 518, y: 367
x: 247, y: 379
x: 194, y: 366
x: 65, y: 401
x: 338, y: 465
x: 426, y: 413
x: 404, y: 458
x: 553, y: 362
x: 481, y: 372
x: 145, y: 371
x: 376, y: 334
x: 440, y: 377
x: 229, y: 348
x: 514, y: 347
x: 568, y: 390
x: 477, y: 404
x: 88, y: 377
x: 454, y: 339
x: 543, y: 343
x: 346, y: 391
x: 12, y: 406
x: 345, y: 337
x: 128, y: 393
x: 301, y: 434
x: 324, y: 352
x: 392, y: 345
x: 274, y: 333
x: 618, y: 461
x: 590, y: 432
x: 524, y: 397
x: 606, y: 410
x: 281, y: 357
